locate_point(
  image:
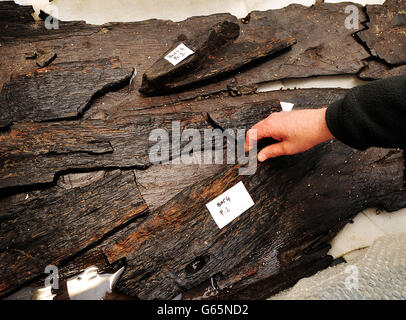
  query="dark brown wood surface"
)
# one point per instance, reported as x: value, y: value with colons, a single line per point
x: 42, y: 95
x: 77, y: 187
x: 324, y: 47
x: 377, y: 70
x: 385, y: 36
x: 215, y: 55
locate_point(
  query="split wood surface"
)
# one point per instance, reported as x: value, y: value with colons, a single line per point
x: 77, y: 185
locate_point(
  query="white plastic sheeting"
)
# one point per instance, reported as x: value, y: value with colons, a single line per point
x: 376, y: 273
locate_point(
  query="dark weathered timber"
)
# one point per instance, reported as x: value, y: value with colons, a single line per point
x: 59, y: 91
x: 32, y: 153
x: 325, y: 47
x: 215, y: 55
x: 386, y: 33
x: 301, y: 201
x: 156, y: 191
x: 44, y: 227
x: 244, y: 117
x: 232, y: 60
x: 323, y: 42
x: 204, y: 45
x: 324, y: 188
x: 18, y: 25
x: 289, y: 226
x: 377, y: 70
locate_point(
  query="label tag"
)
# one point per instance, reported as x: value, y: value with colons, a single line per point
x: 229, y: 205
x: 287, y: 106
x: 181, y: 52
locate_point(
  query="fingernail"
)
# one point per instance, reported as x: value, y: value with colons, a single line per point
x: 261, y: 157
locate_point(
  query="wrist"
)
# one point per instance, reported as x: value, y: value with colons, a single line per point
x: 324, y: 132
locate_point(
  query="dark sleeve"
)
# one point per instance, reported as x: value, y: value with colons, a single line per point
x: 371, y: 115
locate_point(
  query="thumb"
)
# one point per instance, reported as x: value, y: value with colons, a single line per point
x: 272, y: 151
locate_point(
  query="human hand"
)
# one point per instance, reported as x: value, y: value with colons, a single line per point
x: 296, y: 131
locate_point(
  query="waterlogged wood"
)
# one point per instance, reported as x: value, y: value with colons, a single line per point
x: 59, y: 91
x: 300, y: 204
x: 101, y: 217
x: 18, y: 26
x: 44, y: 227
x: 377, y: 70
x: 137, y: 44
x: 325, y: 47
x: 314, y: 209
x: 33, y: 153
x: 215, y: 55
x: 386, y: 33
x: 160, y: 183
x: 202, y: 48
x: 293, y: 221
x: 244, y: 117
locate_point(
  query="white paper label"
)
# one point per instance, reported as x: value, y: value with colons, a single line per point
x: 229, y: 205
x: 181, y: 52
x: 287, y: 106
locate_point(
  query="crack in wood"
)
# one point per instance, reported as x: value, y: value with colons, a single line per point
x: 65, y: 200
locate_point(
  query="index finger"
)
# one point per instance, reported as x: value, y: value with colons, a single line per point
x: 259, y: 131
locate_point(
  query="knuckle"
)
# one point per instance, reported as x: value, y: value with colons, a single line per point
x: 272, y: 118
x: 283, y: 148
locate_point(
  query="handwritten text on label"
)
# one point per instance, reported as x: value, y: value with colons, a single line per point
x: 178, y: 54
x: 229, y: 205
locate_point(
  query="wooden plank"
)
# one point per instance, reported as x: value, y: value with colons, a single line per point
x: 205, y: 45
x: 325, y: 47
x: 386, y: 33
x: 300, y: 201
x: 50, y: 94
x: 289, y: 226
x: 214, y: 55
x: 327, y: 187
x: 45, y: 227
x: 377, y: 70
x: 33, y: 153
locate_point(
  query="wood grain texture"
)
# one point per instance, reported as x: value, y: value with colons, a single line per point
x: 50, y: 94
x: 205, y: 45
x: 325, y: 47
x: 44, y: 227
x: 33, y: 153
x: 291, y: 223
x: 323, y: 42
x: 377, y: 70
x: 215, y: 55
x: 78, y: 188
x: 386, y: 33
